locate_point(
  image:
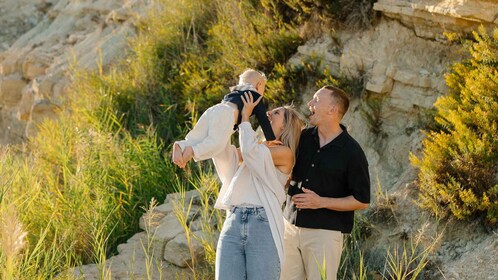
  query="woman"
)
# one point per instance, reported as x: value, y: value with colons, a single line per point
x: 251, y: 241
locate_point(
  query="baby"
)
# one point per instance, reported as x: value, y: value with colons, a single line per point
x: 212, y: 132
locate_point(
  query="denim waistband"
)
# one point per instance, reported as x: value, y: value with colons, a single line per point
x: 246, y: 208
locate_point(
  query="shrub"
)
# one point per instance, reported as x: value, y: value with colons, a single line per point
x: 239, y: 38
x: 354, y: 14
x: 458, y: 167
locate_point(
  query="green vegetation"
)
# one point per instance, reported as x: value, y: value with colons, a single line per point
x: 206, y: 183
x: 458, y: 168
x: 71, y: 194
x: 371, y: 112
x: 76, y: 190
x: 346, y: 13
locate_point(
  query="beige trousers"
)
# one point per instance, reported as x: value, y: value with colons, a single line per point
x: 311, y: 253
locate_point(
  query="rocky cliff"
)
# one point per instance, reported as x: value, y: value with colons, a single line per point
x: 40, y: 40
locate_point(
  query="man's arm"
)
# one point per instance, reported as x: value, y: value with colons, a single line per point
x: 310, y: 200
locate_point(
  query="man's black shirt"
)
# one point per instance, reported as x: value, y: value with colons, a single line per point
x: 338, y: 169
x: 259, y: 111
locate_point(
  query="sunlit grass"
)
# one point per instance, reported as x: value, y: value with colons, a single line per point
x: 76, y: 190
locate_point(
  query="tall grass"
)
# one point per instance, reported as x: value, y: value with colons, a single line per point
x: 408, y: 260
x: 352, y: 265
x: 210, y: 219
x: 77, y: 183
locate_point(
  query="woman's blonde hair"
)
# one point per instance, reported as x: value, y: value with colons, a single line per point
x: 293, y: 125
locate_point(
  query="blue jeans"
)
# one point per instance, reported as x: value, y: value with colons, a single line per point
x: 246, y: 249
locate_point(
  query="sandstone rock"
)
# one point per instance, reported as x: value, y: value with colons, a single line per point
x: 33, y: 69
x: 140, y: 246
x: 380, y: 82
x: 406, y: 97
x: 324, y: 48
x: 16, y: 18
x: 11, y: 90
x: 168, y: 210
x: 430, y: 18
x: 43, y: 48
x: 59, y: 91
x: 150, y: 220
x: 179, y: 251
x: 41, y: 110
x: 9, y: 66
x: 74, y: 38
x: 24, y: 108
x: 165, y: 208
x: 42, y: 87
x: 116, y: 16
x: 193, y: 195
x: 135, y: 261
x: 169, y: 228
x: 144, y: 255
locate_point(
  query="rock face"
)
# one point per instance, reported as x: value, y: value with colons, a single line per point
x: 40, y: 40
x: 403, y: 76
x: 430, y: 18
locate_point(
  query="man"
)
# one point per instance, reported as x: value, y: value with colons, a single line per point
x: 330, y: 180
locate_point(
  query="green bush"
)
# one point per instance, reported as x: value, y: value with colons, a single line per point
x: 348, y: 13
x: 458, y: 167
x: 239, y: 38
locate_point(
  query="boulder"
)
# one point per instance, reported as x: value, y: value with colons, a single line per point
x: 180, y: 250
x: 11, y: 89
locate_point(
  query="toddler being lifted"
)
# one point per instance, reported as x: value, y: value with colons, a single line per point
x: 212, y: 132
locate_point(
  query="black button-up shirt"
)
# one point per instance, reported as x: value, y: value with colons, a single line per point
x: 338, y: 169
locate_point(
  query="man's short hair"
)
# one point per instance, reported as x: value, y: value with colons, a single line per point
x: 339, y: 97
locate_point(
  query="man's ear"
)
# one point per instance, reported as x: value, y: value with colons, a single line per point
x: 332, y: 109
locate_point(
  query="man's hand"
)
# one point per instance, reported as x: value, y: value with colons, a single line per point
x: 307, y: 200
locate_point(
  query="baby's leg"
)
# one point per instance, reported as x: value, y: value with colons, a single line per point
x: 219, y: 130
x: 198, y: 133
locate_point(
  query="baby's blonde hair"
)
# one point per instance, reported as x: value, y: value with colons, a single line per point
x: 251, y: 76
x: 293, y: 125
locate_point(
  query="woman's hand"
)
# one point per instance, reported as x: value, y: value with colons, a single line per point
x: 249, y: 105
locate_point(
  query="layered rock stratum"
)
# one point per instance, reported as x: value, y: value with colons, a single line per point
x: 40, y: 40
